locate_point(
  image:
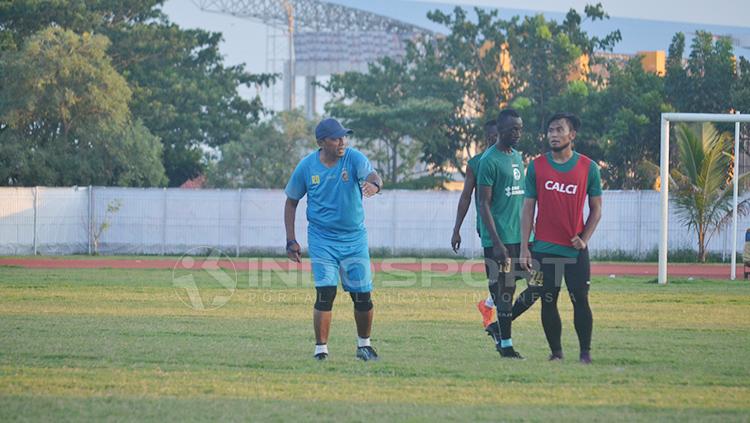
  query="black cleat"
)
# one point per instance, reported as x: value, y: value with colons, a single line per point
x: 556, y: 356
x: 509, y: 352
x: 493, y: 332
x: 321, y: 356
x: 367, y: 354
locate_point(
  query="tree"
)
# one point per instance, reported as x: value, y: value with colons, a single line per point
x: 265, y: 155
x: 468, y: 70
x: 64, y: 117
x: 626, y: 119
x: 741, y: 87
x: 387, y: 115
x: 99, y: 228
x: 703, y: 193
x: 449, y: 141
x: 23, y: 18
x: 546, y: 56
x: 741, y: 95
x: 675, y: 81
x: 488, y: 63
x: 543, y: 58
x: 181, y: 90
x: 474, y: 54
x: 704, y: 83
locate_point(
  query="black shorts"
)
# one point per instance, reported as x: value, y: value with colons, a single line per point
x: 577, y: 271
x: 494, y: 270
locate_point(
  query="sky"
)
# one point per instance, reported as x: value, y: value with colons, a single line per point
x: 644, y: 24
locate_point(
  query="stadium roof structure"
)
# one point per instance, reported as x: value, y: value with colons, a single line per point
x: 324, y: 38
x: 310, y: 16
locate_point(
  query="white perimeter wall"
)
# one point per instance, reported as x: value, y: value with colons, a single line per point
x: 173, y: 221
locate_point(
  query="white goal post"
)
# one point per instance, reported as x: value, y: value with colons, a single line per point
x: 666, y: 118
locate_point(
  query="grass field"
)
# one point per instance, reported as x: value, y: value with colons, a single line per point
x: 123, y: 345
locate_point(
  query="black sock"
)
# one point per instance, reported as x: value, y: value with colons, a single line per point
x: 551, y: 320
x: 504, y: 321
x: 582, y: 318
x: 504, y: 305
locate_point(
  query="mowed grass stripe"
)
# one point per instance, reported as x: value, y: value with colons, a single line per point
x: 623, y: 309
x: 220, y: 409
x: 409, y: 351
x: 368, y: 389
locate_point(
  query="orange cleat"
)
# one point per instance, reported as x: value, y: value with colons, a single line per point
x: 488, y: 313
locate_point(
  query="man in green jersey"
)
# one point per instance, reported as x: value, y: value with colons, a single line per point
x: 486, y: 306
x: 501, y: 193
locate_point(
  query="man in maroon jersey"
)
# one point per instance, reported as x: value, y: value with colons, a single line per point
x: 557, y: 184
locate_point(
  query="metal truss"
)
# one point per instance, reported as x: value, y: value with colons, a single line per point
x: 309, y: 16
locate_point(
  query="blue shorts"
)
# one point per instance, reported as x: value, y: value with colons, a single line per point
x: 348, y: 261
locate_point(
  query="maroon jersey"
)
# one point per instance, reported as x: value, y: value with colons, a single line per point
x: 560, y: 199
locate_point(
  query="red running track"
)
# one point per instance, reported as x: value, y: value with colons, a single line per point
x: 706, y: 271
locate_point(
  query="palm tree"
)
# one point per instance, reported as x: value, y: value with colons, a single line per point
x: 702, y: 183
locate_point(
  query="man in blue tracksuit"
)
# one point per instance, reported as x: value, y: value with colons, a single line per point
x: 335, y: 179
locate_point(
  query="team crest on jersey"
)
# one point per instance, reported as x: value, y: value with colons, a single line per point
x: 516, y: 174
x: 315, y: 179
x: 345, y: 176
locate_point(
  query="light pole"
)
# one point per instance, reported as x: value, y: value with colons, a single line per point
x: 290, y: 75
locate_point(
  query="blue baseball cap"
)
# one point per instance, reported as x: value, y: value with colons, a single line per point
x: 331, y: 128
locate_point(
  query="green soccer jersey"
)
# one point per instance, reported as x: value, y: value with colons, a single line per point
x: 473, y: 164
x: 505, y: 174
